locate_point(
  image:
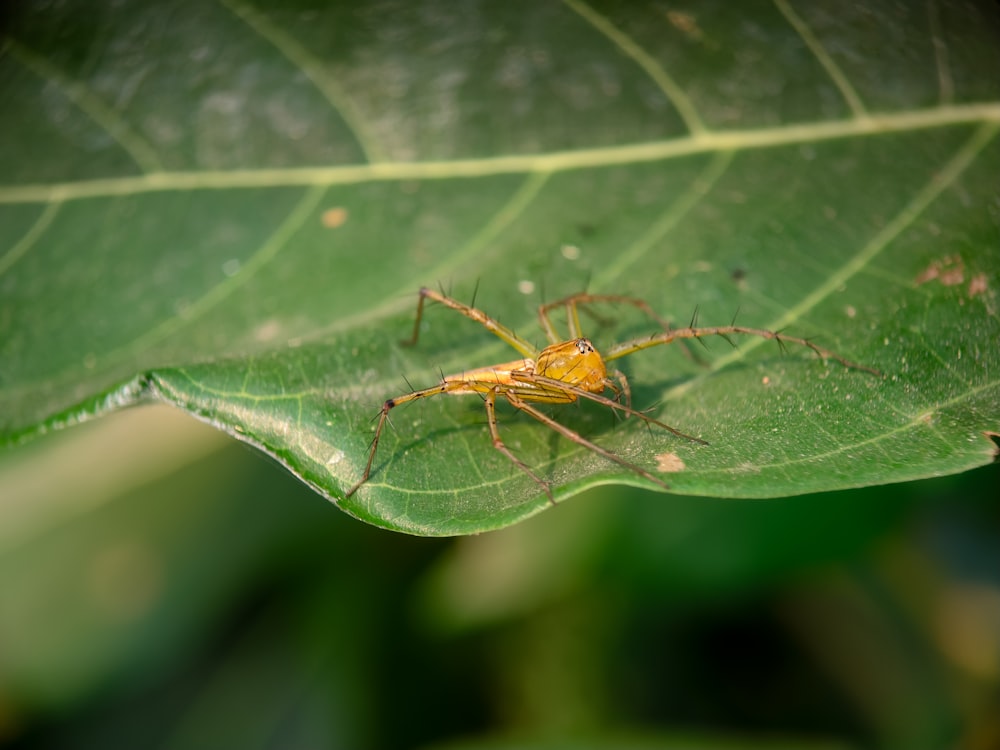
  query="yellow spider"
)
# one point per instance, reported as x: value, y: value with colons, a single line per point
x: 562, y: 372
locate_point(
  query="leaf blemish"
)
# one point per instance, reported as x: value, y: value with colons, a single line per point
x: 267, y: 330
x: 570, y: 252
x: 334, y: 217
x: 669, y: 462
x: 977, y: 284
x: 949, y: 271
x: 686, y: 23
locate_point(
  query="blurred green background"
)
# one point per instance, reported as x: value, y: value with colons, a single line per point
x: 192, y: 594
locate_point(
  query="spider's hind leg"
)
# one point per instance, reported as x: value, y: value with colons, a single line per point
x: 491, y: 415
x: 519, y: 403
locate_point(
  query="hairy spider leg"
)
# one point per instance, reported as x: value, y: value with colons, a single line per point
x: 584, y: 298
x: 619, y: 386
x: 520, y: 396
x: 443, y: 387
x: 494, y: 326
x: 491, y: 418
x: 666, y: 337
x: 518, y: 403
x: 612, y: 404
x: 576, y: 330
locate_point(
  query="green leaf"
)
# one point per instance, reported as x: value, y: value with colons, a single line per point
x: 231, y: 207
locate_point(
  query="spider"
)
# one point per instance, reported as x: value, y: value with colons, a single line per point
x: 562, y: 373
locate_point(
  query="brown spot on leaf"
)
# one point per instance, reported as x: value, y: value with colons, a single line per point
x: 949, y: 271
x: 334, y: 217
x: 952, y: 276
x: 977, y: 284
x: 685, y: 23
x: 669, y: 462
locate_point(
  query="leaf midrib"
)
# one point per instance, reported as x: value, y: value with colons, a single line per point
x: 552, y: 162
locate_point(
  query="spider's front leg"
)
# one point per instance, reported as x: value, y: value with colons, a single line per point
x: 445, y: 386
x: 494, y: 326
x: 623, y: 389
x: 692, y: 332
x: 581, y: 300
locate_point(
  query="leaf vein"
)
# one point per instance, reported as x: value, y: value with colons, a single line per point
x: 924, y: 197
x: 824, y: 58
x: 35, y: 231
x: 315, y: 71
x: 670, y: 88
x: 137, y: 147
x: 554, y: 162
x: 672, y: 215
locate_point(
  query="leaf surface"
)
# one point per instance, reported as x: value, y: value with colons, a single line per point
x: 230, y: 207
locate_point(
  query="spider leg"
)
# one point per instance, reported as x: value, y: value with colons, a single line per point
x: 692, y: 332
x: 491, y: 417
x: 558, y: 385
x: 518, y: 403
x: 383, y: 417
x: 625, y: 389
x: 585, y: 298
x: 494, y: 326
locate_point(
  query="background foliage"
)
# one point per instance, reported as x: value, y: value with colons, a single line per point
x: 229, y: 208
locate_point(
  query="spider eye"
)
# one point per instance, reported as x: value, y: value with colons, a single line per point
x: 584, y: 346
